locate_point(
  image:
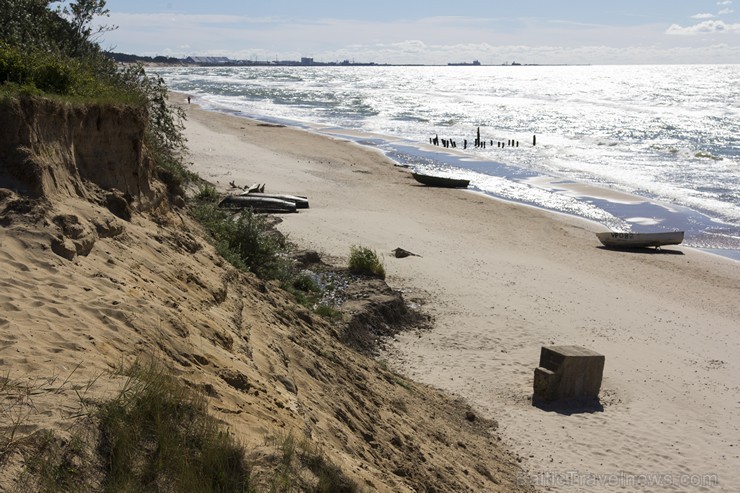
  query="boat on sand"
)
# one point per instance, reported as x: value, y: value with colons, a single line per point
x: 440, y: 181
x: 640, y: 240
x: 256, y: 203
x: 299, y: 201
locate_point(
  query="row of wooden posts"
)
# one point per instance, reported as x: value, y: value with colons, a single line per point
x: 448, y: 143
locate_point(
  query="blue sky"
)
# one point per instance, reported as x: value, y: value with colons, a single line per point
x: 431, y: 31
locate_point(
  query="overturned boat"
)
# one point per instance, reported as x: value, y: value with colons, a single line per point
x: 257, y: 203
x: 640, y: 240
x: 299, y: 201
x: 440, y: 181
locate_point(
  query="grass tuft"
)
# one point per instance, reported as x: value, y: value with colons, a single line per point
x: 366, y: 262
x: 157, y: 435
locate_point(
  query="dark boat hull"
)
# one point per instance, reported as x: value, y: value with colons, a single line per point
x: 300, y: 202
x: 440, y: 181
x: 261, y: 204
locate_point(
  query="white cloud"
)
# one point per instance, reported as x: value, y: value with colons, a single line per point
x: 726, y: 11
x: 725, y: 2
x: 431, y: 40
x: 703, y: 16
x: 706, y: 27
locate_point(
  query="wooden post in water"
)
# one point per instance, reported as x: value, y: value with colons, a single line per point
x: 534, y: 140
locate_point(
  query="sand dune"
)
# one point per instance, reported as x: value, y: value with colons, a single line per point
x: 84, y: 293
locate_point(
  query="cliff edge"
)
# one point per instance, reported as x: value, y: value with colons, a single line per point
x: 100, y: 271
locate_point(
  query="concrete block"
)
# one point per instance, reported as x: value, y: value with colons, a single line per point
x: 568, y: 372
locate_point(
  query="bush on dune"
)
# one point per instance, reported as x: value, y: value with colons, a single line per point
x: 365, y: 261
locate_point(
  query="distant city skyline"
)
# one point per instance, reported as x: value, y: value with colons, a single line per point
x: 430, y: 32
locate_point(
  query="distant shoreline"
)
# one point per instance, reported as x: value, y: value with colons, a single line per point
x: 226, y: 62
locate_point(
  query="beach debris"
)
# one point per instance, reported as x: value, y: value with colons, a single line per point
x: 479, y: 142
x: 401, y: 253
x: 568, y: 372
x: 256, y: 187
x: 300, y: 201
x: 254, y: 197
x: 257, y: 204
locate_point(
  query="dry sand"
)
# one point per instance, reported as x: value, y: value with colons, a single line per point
x: 501, y: 280
x: 86, y: 290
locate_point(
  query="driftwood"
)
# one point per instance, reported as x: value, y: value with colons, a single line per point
x: 256, y: 187
x: 253, y: 196
x: 401, y: 253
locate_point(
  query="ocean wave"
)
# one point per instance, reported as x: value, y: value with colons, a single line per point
x: 664, y: 132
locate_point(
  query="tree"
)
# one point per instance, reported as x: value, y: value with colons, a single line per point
x: 29, y: 24
x: 82, y: 12
x: 80, y: 15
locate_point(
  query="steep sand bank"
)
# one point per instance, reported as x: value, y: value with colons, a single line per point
x: 501, y: 280
x: 93, y: 279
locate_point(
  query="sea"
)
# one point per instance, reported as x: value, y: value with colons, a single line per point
x: 633, y: 148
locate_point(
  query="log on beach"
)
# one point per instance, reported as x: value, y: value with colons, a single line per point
x: 256, y: 203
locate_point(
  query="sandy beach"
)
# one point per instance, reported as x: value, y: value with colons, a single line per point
x: 501, y: 280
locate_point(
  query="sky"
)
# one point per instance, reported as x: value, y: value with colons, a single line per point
x: 431, y: 31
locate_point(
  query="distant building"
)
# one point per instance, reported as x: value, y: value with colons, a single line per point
x: 306, y: 61
x: 208, y: 60
x: 465, y: 64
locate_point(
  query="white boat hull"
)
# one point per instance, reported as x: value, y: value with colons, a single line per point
x: 640, y: 240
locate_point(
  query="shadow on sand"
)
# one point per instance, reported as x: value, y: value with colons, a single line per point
x: 568, y: 407
x: 644, y: 251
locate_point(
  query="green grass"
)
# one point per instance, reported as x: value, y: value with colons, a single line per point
x: 58, y: 465
x: 75, y: 80
x: 15, y: 402
x: 206, y: 193
x: 158, y: 436
x: 366, y: 262
x: 328, y: 312
x: 243, y: 239
x: 155, y: 435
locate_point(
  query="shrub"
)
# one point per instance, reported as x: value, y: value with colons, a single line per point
x: 55, y: 77
x: 13, y: 68
x: 328, y: 312
x: 365, y: 261
x: 243, y: 241
x: 206, y: 193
